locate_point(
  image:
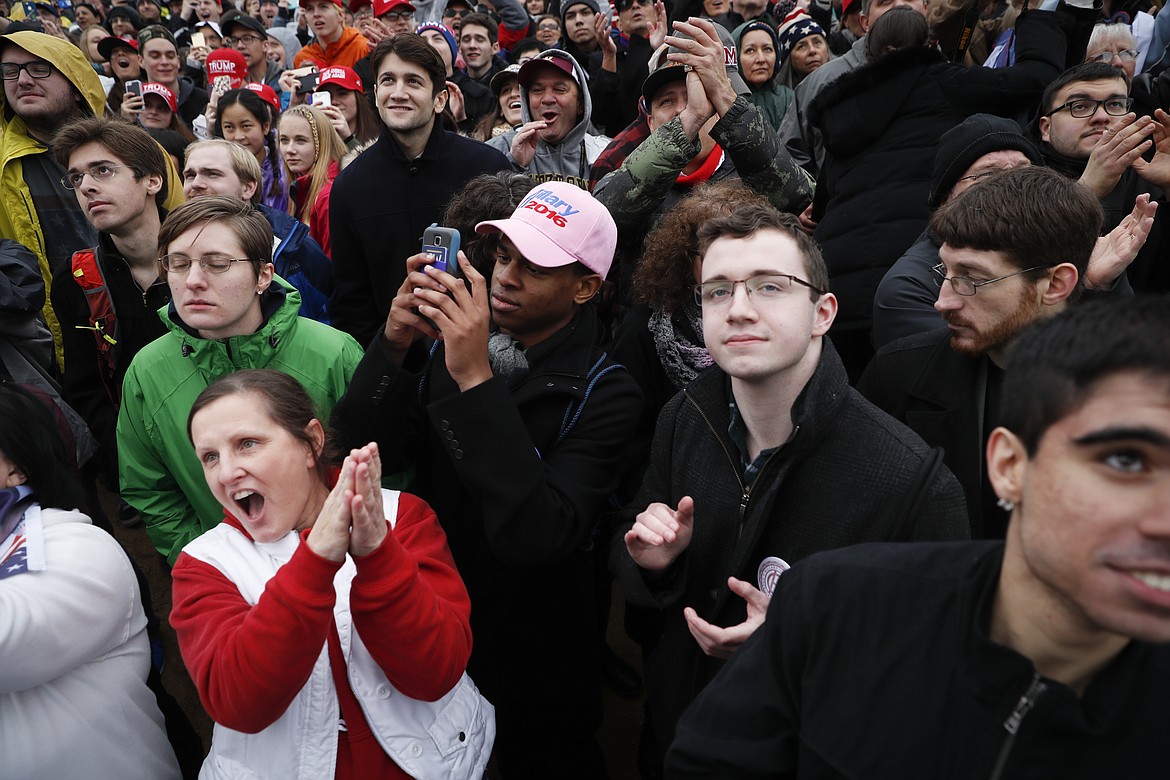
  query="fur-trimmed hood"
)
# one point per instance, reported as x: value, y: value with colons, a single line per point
x: 857, y: 108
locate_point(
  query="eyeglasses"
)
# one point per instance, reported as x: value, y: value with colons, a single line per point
x: 72, y: 181
x: 1082, y: 108
x: 1125, y: 55
x: 968, y: 287
x: 38, y: 69
x: 217, y: 264
x: 244, y: 39
x: 552, y: 27
x: 765, y: 287
x: 625, y: 5
x: 398, y: 16
x: 460, y: 12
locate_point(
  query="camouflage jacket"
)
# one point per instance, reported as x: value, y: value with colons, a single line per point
x: 645, y: 185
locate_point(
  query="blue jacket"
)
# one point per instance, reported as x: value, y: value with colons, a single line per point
x: 300, y: 260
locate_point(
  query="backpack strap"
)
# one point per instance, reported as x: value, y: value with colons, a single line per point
x: 103, y: 321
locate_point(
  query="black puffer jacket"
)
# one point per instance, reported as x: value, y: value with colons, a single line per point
x: 881, y: 124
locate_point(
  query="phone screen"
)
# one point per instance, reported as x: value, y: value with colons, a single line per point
x: 439, y: 252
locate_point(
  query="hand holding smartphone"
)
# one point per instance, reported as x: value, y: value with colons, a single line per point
x: 442, y: 244
x: 134, y: 87
x: 320, y: 99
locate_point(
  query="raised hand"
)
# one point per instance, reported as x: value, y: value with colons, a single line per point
x: 369, y: 519
x: 660, y: 534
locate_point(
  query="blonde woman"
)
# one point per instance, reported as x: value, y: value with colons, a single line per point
x: 312, y: 152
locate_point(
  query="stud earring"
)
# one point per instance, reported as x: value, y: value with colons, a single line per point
x: 1006, y: 504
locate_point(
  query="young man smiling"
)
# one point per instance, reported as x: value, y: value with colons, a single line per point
x: 1045, y: 656
x: 417, y: 160
x: 513, y: 436
x: 749, y: 461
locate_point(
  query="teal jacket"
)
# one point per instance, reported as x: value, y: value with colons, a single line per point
x: 158, y: 470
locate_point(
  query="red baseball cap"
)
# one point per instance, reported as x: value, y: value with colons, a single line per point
x: 550, y: 58
x: 342, y: 76
x: 107, y: 45
x: 386, y: 6
x: 151, y: 88
x: 227, y: 62
x: 266, y: 93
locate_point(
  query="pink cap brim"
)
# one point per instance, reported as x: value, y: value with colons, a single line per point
x: 536, y: 247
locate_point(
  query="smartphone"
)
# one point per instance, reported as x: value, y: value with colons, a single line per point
x: 320, y: 99
x: 442, y: 243
x: 134, y: 87
x: 198, y: 41
x: 308, y: 83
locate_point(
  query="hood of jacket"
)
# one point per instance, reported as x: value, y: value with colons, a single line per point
x: 856, y: 109
x: 68, y: 59
x: 281, y: 306
x: 565, y: 157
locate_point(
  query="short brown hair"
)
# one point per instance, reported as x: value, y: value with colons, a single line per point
x: 484, y: 21
x: 287, y: 402
x: 412, y: 48
x: 750, y: 219
x: 1032, y: 216
x: 249, y: 225
x: 132, y: 145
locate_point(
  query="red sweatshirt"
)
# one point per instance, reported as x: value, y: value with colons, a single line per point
x: 408, y: 604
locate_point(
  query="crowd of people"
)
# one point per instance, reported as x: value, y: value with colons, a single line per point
x: 406, y: 329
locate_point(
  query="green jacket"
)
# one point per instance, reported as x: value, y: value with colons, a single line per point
x: 160, y: 474
x: 18, y: 218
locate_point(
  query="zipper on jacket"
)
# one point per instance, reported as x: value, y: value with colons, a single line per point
x: 745, y: 490
x: 1035, y: 690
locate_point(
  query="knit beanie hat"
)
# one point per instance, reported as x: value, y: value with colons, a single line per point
x: 797, y: 26
x: 748, y: 27
x: 567, y: 4
x: 965, y: 143
x: 446, y: 34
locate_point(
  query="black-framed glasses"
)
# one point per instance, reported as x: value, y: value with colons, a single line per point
x: 967, y: 287
x: 38, y: 69
x: 625, y: 5
x: 1125, y: 55
x: 180, y: 264
x: 398, y: 16
x: 73, y: 179
x: 460, y: 12
x: 244, y: 39
x: 1082, y: 108
x: 765, y: 287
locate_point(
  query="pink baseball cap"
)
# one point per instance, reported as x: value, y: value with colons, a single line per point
x: 227, y: 62
x: 558, y: 224
x: 151, y: 88
x: 266, y: 93
x: 342, y: 76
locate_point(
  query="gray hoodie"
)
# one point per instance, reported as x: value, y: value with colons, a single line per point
x: 572, y: 159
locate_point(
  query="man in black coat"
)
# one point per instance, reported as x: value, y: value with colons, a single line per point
x: 1014, y: 249
x: 766, y: 458
x: 384, y: 200
x: 515, y: 433
x: 1045, y: 656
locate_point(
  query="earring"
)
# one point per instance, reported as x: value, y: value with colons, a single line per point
x: 1006, y: 504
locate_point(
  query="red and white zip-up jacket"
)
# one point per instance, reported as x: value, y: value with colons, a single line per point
x: 268, y: 630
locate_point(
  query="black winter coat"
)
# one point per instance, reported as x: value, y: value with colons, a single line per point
x: 380, y: 206
x: 876, y: 662
x: 850, y: 473
x: 519, y: 509
x: 881, y: 124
